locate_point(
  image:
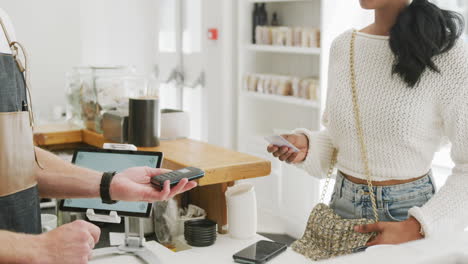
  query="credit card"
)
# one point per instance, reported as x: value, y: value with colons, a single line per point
x: 280, y: 142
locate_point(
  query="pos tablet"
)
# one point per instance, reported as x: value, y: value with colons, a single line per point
x: 112, y: 160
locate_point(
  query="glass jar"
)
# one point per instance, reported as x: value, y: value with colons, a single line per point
x: 92, y: 91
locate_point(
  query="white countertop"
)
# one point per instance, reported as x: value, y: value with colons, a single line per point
x: 220, y: 252
x: 452, y: 249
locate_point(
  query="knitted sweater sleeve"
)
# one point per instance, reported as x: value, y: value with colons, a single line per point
x: 320, y: 152
x: 447, y: 210
x: 318, y: 158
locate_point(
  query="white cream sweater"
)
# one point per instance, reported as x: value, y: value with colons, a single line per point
x: 403, y: 127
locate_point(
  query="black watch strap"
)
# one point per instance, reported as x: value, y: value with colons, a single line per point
x: 104, y: 188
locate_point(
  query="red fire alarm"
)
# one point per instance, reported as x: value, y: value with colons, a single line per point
x: 213, y: 33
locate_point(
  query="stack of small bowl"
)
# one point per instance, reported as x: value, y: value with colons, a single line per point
x: 200, y: 233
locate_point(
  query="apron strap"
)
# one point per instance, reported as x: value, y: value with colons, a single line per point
x: 15, y: 47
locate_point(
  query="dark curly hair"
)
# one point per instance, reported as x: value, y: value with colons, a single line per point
x: 421, y: 32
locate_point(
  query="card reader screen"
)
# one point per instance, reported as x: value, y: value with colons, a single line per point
x: 111, y: 162
x: 184, y: 171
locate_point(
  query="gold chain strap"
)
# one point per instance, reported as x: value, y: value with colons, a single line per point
x: 359, y: 126
x: 360, y: 136
x: 329, y: 174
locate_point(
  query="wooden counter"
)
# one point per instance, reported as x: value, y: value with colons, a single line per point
x: 222, y: 166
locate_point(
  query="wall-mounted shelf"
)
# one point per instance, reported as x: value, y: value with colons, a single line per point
x: 282, y: 99
x: 282, y: 49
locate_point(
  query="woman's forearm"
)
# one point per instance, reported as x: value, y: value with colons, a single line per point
x: 61, y: 179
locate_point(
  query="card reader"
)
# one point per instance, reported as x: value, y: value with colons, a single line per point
x: 174, y: 177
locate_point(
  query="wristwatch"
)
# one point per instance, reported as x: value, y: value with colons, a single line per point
x: 104, y: 187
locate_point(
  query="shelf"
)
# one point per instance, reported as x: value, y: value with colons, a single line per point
x: 281, y: 49
x: 282, y: 99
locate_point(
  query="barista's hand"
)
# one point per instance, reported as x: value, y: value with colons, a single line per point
x: 286, y: 154
x: 134, y: 185
x: 71, y: 243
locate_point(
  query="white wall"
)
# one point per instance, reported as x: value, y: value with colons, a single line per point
x: 119, y: 32
x: 61, y: 34
x: 220, y: 60
x: 50, y: 31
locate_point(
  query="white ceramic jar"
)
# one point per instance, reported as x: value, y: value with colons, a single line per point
x: 242, y: 211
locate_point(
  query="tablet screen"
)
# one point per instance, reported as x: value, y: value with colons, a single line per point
x: 112, y: 160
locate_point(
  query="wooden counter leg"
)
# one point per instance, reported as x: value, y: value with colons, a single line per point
x: 212, y: 199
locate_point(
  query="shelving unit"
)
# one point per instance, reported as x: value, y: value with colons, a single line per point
x: 303, y: 62
x: 281, y: 49
x: 283, y: 99
x: 266, y: 114
x: 332, y: 17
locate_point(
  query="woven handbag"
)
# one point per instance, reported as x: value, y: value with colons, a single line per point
x: 328, y: 234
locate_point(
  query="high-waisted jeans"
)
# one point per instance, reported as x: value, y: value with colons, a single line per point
x: 351, y: 200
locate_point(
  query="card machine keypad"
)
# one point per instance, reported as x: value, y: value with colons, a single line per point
x: 174, y: 177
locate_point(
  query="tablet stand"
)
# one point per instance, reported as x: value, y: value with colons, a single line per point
x: 134, y: 243
x: 113, y: 217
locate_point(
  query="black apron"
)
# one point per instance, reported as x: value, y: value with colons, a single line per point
x: 19, y: 199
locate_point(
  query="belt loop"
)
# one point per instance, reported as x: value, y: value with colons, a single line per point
x: 339, y: 183
x: 431, y: 180
x: 379, y: 196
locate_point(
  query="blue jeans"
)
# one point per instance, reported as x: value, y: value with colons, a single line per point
x: 351, y: 200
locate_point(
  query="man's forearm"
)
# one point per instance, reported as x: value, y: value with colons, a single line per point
x: 61, y: 179
x: 18, y: 248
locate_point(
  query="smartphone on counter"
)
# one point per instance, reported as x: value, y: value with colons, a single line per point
x: 260, y: 252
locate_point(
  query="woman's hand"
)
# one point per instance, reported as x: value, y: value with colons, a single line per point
x: 392, y: 232
x: 133, y: 184
x: 287, y: 154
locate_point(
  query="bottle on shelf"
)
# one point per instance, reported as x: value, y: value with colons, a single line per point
x: 263, y: 15
x: 274, y: 20
x: 255, y: 21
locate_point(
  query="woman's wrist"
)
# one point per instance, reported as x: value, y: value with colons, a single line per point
x: 415, y: 227
x: 307, y: 144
